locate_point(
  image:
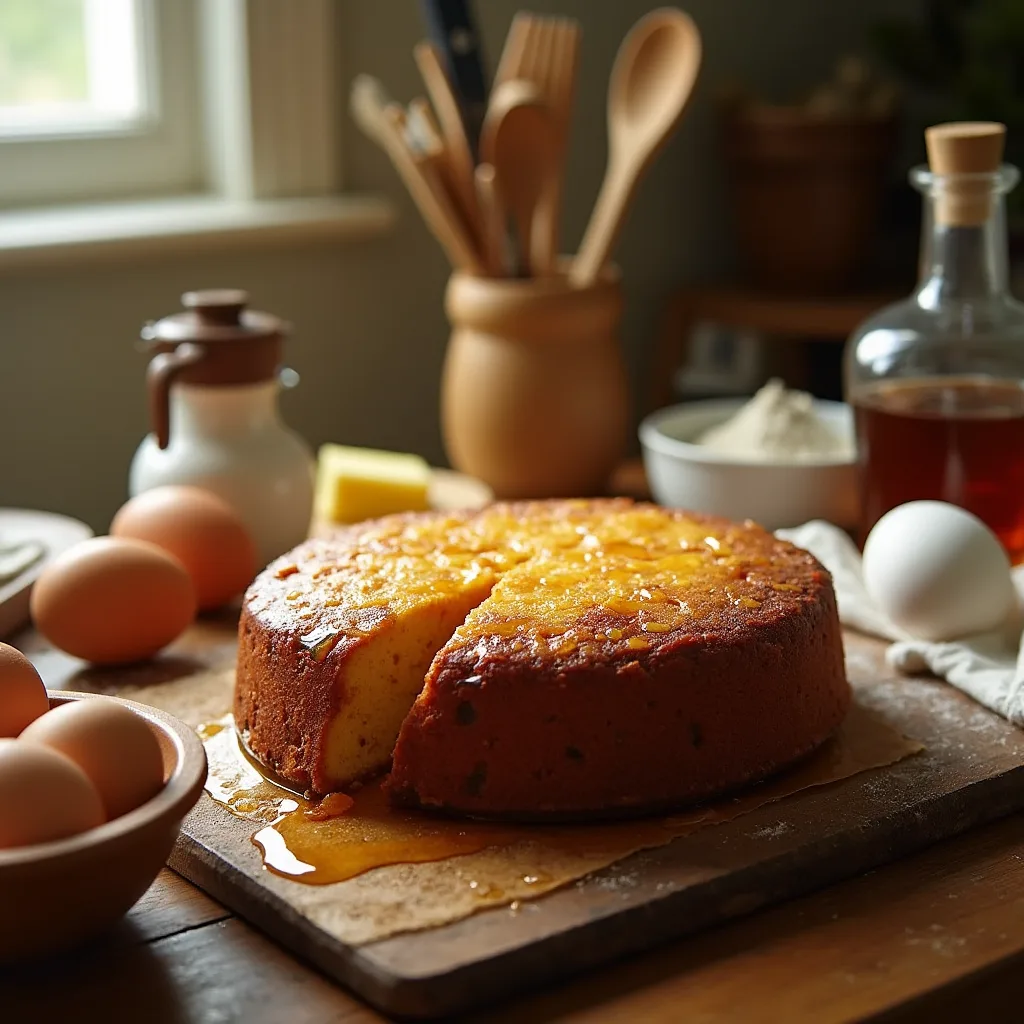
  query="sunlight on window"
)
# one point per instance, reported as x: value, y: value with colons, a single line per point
x: 69, y: 66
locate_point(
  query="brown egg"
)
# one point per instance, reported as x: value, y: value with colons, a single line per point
x: 111, y: 600
x: 44, y: 796
x: 113, y: 746
x: 201, y: 530
x: 22, y: 694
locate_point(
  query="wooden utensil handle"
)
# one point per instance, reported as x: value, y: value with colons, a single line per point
x: 544, y: 238
x: 492, y: 219
x: 422, y: 181
x: 605, y: 223
x: 459, y: 153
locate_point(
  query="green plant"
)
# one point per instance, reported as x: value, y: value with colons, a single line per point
x: 966, y: 57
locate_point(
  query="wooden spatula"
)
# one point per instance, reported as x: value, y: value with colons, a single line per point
x: 518, y: 139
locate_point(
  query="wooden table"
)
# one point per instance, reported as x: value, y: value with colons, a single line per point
x: 938, y: 936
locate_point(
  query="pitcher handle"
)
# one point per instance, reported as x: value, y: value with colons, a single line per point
x: 163, y: 369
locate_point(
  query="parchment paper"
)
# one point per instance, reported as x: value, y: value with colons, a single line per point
x: 410, y: 897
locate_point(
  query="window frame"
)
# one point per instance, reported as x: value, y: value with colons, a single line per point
x: 159, y: 154
x: 264, y: 141
x: 220, y: 131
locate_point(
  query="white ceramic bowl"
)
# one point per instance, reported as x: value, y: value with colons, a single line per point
x: 684, y: 474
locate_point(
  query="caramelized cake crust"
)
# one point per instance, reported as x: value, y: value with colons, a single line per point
x: 580, y: 657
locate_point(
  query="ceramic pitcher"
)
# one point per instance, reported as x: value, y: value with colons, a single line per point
x: 213, y: 387
x: 534, y: 396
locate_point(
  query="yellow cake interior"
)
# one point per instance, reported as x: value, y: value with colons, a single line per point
x: 384, y: 676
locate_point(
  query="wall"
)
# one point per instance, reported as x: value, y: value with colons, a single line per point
x: 369, y: 328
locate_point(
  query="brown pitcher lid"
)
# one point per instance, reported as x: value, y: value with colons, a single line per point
x: 215, y: 341
x: 247, y: 339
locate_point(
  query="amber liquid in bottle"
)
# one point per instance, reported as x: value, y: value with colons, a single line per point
x: 945, y: 438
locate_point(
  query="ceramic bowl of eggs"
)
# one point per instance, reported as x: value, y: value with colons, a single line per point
x: 93, y: 790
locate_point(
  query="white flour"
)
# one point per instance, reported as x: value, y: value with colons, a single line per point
x: 778, y: 424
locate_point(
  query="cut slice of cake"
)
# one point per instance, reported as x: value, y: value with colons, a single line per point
x: 334, y: 645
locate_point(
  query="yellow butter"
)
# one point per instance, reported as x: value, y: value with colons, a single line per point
x: 360, y: 483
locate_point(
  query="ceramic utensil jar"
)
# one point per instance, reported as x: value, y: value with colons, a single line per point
x: 213, y: 387
x: 534, y: 393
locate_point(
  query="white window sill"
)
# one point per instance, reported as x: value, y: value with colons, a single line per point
x: 70, y: 234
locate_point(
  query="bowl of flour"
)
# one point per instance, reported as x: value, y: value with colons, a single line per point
x: 780, y: 458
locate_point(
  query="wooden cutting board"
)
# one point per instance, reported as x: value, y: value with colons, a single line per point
x: 972, y: 770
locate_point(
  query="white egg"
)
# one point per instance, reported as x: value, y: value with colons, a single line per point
x: 937, y: 571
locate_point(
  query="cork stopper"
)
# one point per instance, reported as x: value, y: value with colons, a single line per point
x: 964, y: 155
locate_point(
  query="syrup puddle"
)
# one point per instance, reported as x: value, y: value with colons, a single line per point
x: 372, y: 833
x: 276, y: 854
x: 298, y: 842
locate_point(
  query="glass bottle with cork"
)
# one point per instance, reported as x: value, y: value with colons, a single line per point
x: 937, y: 380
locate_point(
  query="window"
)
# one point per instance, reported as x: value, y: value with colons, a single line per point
x: 98, y: 99
x: 131, y: 125
x: 70, y: 67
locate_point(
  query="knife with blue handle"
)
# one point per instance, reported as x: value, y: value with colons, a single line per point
x: 453, y: 31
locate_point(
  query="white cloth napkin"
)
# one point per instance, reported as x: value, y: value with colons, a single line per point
x: 989, y: 667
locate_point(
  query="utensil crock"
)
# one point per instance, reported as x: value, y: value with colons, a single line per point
x: 534, y: 396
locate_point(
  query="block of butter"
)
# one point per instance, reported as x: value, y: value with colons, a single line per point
x: 353, y: 484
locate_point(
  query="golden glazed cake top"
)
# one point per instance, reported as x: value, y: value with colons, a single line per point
x: 567, y: 577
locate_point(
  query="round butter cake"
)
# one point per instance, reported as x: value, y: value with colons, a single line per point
x: 540, y: 659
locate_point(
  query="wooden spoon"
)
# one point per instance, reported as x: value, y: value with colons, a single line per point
x: 512, y: 93
x: 652, y: 80
x: 518, y: 138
